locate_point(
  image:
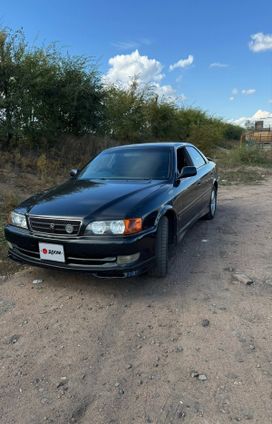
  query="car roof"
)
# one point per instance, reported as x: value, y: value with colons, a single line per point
x: 164, y: 144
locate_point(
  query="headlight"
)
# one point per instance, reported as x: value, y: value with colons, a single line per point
x: 17, y: 219
x: 126, y: 226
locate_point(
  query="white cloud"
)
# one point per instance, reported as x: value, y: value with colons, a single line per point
x: 270, y: 101
x: 259, y: 115
x: 248, y: 91
x: 125, y: 67
x: 218, y: 65
x: 234, y: 93
x: 182, y: 63
x: 164, y: 90
x: 168, y: 92
x: 260, y: 42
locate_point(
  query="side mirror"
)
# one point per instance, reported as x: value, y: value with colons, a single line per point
x: 74, y: 172
x: 188, y: 171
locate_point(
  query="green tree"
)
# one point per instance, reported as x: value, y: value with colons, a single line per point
x: 162, y: 119
x: 12, y: 50
x: 44, y: 94
x: 125, y: 117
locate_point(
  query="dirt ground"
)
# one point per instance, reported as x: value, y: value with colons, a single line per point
x: 75, y: 349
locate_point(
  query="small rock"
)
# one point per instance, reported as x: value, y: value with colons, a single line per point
x: 248, y: 416
x: 242, y: 278
x: 205, y: 323
x: 179, y: 349
x: 14, y: 339
x: 60, y: 384
x: 129, y: 366
x: 181, y: 414
x: 37, y: 281
x: 201, y: 377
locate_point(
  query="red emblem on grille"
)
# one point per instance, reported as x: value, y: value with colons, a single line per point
x: 44, y: 251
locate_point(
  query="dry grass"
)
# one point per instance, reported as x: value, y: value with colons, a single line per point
x: 246, y: 165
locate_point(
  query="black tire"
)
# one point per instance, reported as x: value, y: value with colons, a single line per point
x: 160, y: 268
x: 212, y: 204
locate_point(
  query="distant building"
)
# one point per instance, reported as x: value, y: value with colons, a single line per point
x: 259, y: 125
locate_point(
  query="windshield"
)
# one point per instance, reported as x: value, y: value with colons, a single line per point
x: 135, y: 164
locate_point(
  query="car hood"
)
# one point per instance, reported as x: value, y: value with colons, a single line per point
x: 90, y: 199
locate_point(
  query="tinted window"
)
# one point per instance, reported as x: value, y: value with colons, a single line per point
x: 182, y: 159
x: 196, y: 157
x: 129, y: 164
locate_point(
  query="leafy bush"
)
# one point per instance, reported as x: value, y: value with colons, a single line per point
x: 246, y: 155
x: 44, y: 94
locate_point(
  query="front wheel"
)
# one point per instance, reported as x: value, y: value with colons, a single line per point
x: 161, y: 249
x: 212, y: 204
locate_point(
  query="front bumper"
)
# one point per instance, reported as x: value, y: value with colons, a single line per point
x: 97, y: 255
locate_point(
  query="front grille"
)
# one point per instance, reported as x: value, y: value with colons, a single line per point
x: 54, y: 226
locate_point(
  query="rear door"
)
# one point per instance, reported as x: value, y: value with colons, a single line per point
x: 186, y: 197
x: 204, y: 178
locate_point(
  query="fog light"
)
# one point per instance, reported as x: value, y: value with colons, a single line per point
x: 9, y: 245
x: 124, y: 260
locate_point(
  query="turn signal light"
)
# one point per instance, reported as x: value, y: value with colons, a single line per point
x: 133, y: 225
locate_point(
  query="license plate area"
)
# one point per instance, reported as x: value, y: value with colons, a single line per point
x: 51, y: 252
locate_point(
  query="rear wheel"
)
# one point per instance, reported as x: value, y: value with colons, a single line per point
x: 161, y: 249
x: 212, y: 205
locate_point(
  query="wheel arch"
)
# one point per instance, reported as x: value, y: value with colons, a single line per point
x: 169, y: 212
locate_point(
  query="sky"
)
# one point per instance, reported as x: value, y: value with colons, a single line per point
x: 212, y: 54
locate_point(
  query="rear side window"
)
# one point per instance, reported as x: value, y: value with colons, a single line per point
x: 196, y: 157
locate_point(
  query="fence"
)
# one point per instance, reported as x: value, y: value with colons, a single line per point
x: 262, y: 138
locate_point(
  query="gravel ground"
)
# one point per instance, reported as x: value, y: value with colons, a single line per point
x: 192, y: 348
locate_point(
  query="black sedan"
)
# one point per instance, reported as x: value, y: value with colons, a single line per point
x: 119, y: 214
